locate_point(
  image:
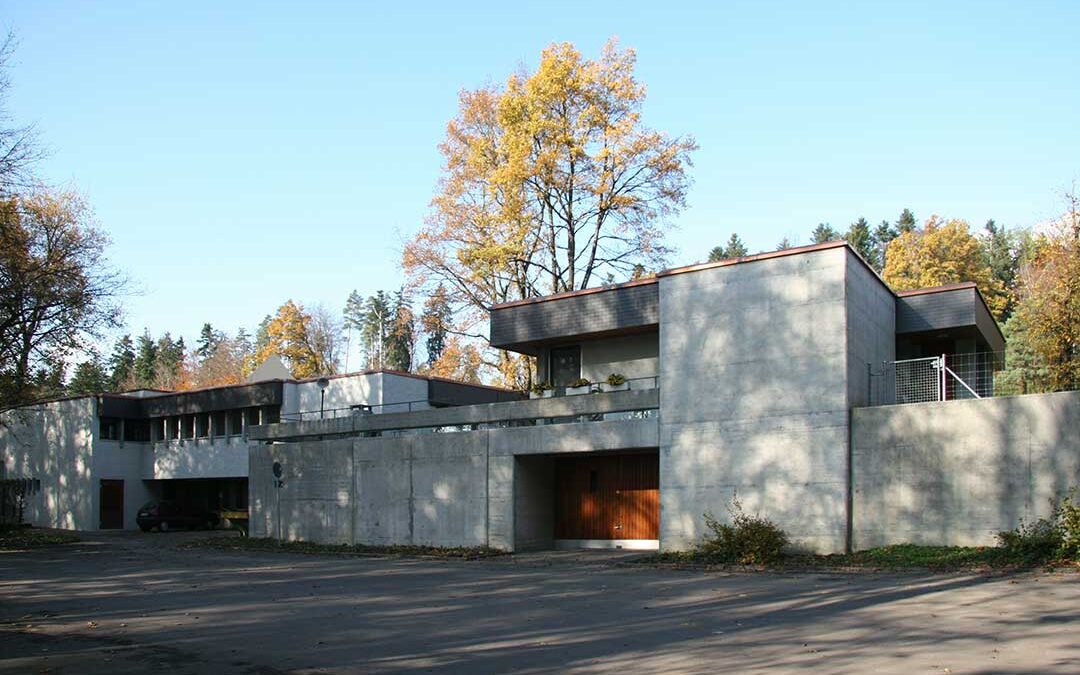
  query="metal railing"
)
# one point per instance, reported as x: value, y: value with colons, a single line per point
x: 358, y: 409
x: 950, y: 377
x: 631, y: 383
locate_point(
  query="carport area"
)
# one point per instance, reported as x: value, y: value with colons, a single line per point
x: 208, y: 494
x: 122, y: 603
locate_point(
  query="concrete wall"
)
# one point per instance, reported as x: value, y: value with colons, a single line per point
x: 871, y: 327
x: 958, y: 472
x: 438, y: 489
x: 53, y: 443
x: 753, y: 393
x: 632, y: 356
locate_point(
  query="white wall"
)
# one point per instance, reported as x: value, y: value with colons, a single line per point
x: 53, y: 443
x: 221, y: 457
x: 115, y: 461
x: 386, y: 392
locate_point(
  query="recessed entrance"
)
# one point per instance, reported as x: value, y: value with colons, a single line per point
x: 607, y: 501
x: 111, y: 504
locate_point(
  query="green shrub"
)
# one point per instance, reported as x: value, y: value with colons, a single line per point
x: 747, y: 540
x: 540, y: 387
x: 1046, y: 539
x: 615, y: 379
x: 581, y: 382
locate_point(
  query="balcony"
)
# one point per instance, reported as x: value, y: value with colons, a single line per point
x: 629, y: 404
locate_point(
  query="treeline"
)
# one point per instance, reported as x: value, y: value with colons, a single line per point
x: 1029, y: 277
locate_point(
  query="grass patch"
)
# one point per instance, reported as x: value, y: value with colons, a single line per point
x: 20, y: 538
x: 896, y: 557
x: 310, y: 548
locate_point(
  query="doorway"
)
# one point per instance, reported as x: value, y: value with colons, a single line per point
x: 565, y: 366
x: 111, y: 503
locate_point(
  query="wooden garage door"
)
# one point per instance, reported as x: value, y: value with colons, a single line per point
x: 608, y: 497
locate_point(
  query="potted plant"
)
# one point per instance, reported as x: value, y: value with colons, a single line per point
x: 579, y: 386
x: 542, y: 390
x: 615, y: 382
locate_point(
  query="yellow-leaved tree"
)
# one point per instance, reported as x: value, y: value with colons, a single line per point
x: 1044, y: 331
x: 551, y: 183
x: 939, y: 253
x: 290, y: 334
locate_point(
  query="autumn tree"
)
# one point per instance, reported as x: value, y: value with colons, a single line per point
x: 57, y: 290
x: 223, y: 364
x: 288, y: 334
x: 551, y: 182
x: 884, y: 233
x: 942, y: 252
x: 735, y: 248
x: 1047, y: 314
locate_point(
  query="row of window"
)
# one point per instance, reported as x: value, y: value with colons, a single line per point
x: 182, y: 427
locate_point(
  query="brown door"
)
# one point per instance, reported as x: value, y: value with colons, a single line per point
x: 112, y: 504
x: 608, y: 497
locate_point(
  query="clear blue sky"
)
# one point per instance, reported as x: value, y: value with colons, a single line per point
x: 241, y: 154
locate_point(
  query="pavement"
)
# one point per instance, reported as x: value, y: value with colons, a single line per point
x: 133, y: 603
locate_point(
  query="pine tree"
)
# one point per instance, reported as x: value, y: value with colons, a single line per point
x: 735, y: 248
x: 858, y: 235
x: 435, y: 322
x: 209, y: 339
x: 784, y: 244
x: 1002, y: 254
x: 89, y: 377
x: 121, y: 364
x: 374, y: 330
x: 400, y: 339
x: 906, y: 223
x: 883, y: 234
x: 145, y: 363
x: 824, y: 233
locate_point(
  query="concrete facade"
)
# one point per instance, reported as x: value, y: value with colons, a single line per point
x: 483, y: 487
x: 755, y: 366
x: 152, y: 439
x: 959, y: 472
x: 754, y: 389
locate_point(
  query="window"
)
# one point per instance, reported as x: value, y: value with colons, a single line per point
x: 137, y: 431
x: 217, y: 423
x: 271, y: 414
x: 202, y: 425
x: 252, y: 416
x: 109, y: 428
x: 187, y: 426
x: 236, y: 422
x: 159, y: 426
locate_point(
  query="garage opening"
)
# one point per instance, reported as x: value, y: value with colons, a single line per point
x: 595, y: 500
x: 208, y: 494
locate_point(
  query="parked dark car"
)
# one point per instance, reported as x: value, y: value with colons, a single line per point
x: 166, y: 515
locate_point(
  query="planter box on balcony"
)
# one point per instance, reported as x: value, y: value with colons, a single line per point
x: 604, y: 386
x: 547, y: 393
x: 584, y: 389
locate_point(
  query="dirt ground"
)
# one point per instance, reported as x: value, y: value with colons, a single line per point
x: 133, y: 603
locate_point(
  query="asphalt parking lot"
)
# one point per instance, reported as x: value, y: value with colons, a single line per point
x: 133, y: 603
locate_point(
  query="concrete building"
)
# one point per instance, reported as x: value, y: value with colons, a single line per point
x: 93, y: 461
x: 733, y: 378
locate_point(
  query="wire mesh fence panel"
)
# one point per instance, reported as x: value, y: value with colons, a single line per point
x: 936, y: 378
